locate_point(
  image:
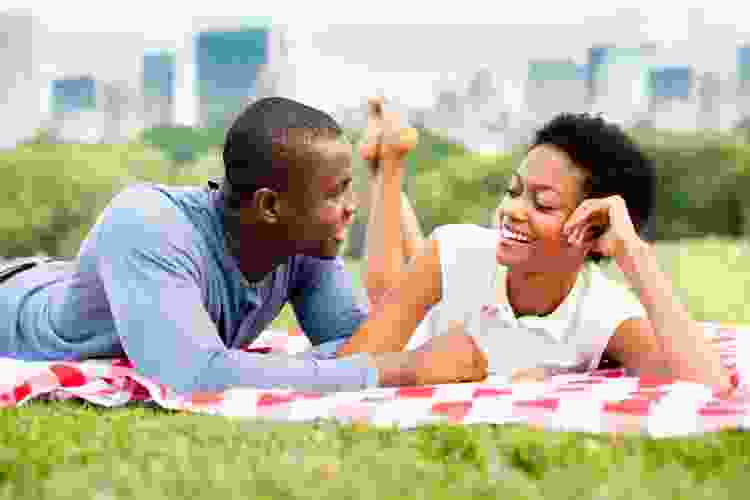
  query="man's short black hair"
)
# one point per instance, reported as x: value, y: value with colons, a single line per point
x: 266, y: 138
x: 612, y: 160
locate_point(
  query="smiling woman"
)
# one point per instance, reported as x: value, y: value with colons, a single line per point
x: 531, y: 292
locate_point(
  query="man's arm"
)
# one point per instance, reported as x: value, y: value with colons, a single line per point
x: 328, y: 311
x: 150, y: 271
x: 396, y: 316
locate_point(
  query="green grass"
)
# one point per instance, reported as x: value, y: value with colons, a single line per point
x: 75, y: 450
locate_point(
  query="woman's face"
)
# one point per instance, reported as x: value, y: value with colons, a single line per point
x: 542, y: 194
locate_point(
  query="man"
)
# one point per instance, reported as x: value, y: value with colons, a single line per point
x: 178, y: 279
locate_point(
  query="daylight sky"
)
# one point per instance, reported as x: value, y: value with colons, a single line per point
x: 362, y: 61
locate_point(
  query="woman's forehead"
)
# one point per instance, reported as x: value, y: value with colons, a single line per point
x: 549, y: 166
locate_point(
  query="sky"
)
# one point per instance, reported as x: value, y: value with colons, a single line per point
x: 339, y: 59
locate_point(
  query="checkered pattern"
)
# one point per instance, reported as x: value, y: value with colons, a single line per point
x: 606, y: 401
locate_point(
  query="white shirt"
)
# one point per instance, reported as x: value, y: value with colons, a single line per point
x: 572, y: 338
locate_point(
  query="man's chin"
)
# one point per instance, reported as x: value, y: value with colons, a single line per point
x: 329, y: 250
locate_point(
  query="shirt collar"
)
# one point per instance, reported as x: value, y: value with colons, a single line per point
x: 227, y: 219
x: 555, y: 325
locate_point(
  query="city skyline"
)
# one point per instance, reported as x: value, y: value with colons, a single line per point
x: 605, y: 64
x: 364, y: 60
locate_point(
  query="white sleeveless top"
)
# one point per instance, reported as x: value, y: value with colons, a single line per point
x: 572, y: 338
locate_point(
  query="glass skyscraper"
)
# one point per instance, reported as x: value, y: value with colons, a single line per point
x: 674, y: 82
x: 159, y: 87
x: 227, y: 64
x: 69, y: 95
x: 743, y: 69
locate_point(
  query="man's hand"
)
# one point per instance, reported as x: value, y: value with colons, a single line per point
x: 385, y: 135
x: 447, y: 359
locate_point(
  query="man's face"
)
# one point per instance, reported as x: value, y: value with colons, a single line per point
x: 322, y: 200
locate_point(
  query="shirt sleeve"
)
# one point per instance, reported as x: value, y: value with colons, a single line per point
x: 325, y: 301
x: 608, y: 304
x: 151, y: 269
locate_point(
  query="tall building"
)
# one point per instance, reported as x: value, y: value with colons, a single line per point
x: 596, y: 56
x: 553, y: 86
x: 229, y: 58
x: 717, y: 106
x: 621, y: 82
x: 674, y: 100
x: 72, y: 95
x: 89, y: 110
x: 672, y: 82
x: 158, y: 80
x: 743, y: 68
x: 743, y: 81
x: 22, y: 83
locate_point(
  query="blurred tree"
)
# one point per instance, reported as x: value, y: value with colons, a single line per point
x: 182, y: 144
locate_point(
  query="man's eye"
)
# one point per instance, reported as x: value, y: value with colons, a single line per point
x: 511, y: 192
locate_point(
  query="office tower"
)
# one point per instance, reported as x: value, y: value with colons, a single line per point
x: 72, y: 95
x: 621, y: 80
x: 158, y: 81
x: 74, y: 117
x: 671, y: 82
x: 596, y: 56
x: 22, y: 83
x: 235, y: 61
x: 743, y: 81
x: 553, y: 86
x: 674, y: 102
x: 717, y: 106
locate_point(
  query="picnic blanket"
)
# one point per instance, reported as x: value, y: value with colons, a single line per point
x: 608, y: 401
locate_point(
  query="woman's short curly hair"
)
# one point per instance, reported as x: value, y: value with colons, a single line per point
x: 614, y: 164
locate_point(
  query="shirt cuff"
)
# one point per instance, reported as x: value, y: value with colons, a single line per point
x: 327, y: 350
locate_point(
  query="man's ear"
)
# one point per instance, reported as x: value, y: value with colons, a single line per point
x: 265, y: 205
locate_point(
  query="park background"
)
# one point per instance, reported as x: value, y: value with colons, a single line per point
x: 96, y: 102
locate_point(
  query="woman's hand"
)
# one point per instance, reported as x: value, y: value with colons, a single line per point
x: 602, y: 225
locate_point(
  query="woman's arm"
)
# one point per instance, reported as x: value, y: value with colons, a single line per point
x: 394, y: 318
x: 393, y: 235
x: 669, y: 338
x: 383, y: 271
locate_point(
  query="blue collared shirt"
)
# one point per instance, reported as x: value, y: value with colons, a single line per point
x: 154, y: 280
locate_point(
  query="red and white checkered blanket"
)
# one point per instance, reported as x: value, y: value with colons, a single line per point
x: 604, y: 401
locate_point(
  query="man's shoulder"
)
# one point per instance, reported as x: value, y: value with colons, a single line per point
x: 147, y: 194
x: 153, y: 204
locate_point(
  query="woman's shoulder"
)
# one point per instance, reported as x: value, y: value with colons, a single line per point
x: 606, y: 295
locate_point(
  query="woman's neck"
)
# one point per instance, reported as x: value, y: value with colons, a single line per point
x: 538, y: 294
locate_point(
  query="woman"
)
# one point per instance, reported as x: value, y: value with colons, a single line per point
x: 530, y: 291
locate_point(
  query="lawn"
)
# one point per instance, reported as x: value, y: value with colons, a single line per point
x: 74, y: 450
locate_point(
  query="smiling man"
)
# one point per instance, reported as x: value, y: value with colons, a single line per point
x: 179, y: 278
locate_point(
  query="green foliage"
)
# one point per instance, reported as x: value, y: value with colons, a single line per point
x: 182, y: 144
x: 703, y: 181
x: 51, y: 194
